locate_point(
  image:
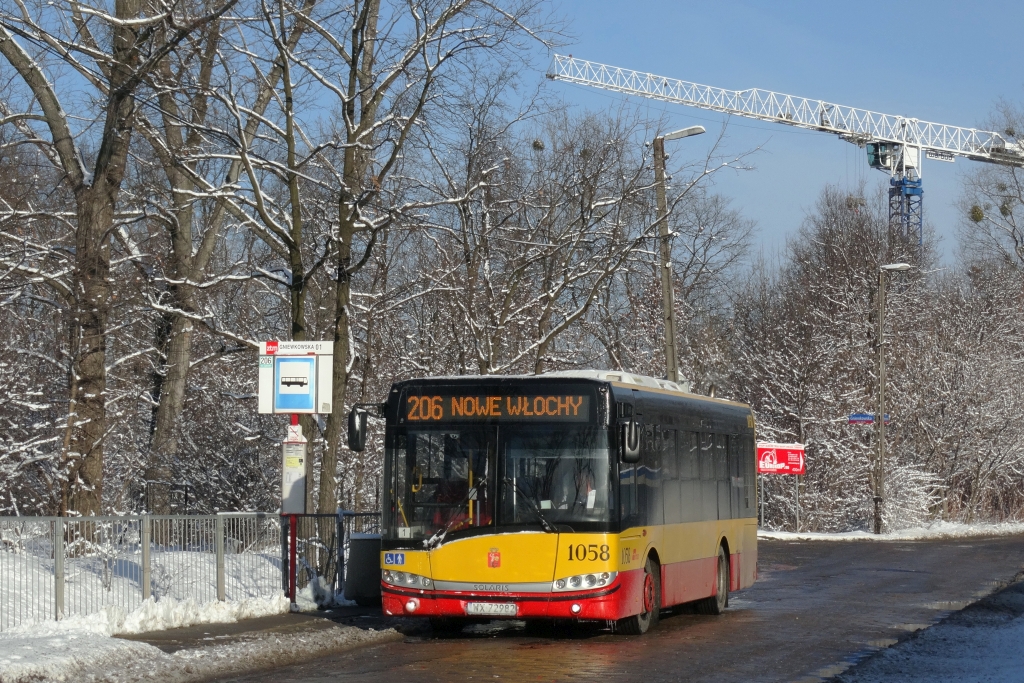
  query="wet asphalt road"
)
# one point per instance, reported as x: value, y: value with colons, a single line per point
x: 817, y: 608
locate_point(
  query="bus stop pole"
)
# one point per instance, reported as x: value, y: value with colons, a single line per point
x: 292, y: 545
x: 797, y: 480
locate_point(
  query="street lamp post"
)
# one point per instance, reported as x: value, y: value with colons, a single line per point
x: 880, y: 414
x: 667, y: 303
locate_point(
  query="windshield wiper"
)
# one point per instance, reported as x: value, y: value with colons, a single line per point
x: 438, y: 536
x: 548, y: 526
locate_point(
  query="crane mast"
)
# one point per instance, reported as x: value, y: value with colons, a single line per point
x: 895, y: 144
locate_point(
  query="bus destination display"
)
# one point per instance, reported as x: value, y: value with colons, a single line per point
x: 561, y: 407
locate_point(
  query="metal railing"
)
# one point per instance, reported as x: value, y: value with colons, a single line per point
x: 318, y: 553
x: 52, y: 567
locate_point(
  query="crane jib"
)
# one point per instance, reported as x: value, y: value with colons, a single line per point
x: 858, y: 126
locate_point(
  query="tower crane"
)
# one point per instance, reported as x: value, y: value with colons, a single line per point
x: 895, y: 144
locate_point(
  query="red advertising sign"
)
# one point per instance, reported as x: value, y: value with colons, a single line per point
x: 781, y: 458
x: 271, y: 348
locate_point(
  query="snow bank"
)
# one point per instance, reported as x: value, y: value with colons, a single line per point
x: 934, y: 530
x: 950, y: 654
x: 318, y: 593
x: 60, y: 655
x: 980, y: 643
x: 82, y: 649
x: 155, y: 615
x: 170, y: 613
x: 98, y: 585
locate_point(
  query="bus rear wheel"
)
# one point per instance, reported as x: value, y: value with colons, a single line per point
x: 717, y: 603
x: 639, y: 624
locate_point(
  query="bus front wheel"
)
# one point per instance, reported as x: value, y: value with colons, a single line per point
x: 717, y: 603
x: 639, y: 624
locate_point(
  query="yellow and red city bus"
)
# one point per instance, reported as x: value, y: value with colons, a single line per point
x: 587, y: 495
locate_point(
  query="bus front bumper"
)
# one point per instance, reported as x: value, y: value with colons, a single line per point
x: 614, y: 602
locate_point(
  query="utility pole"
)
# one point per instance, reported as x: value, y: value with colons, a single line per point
x: 664, y: 236
x: 880, y: 415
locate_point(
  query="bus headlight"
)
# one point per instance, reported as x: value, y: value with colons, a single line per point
x: 583, y: 582
x: 406, y: 579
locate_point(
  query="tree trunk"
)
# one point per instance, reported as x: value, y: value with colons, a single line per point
x: 356, y: 159
x: 92, y: 290
x: 330, y: 490
x: 171, y: 403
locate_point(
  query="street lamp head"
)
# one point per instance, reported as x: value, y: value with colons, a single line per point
x: 897, y: 266
x: 685, y: 132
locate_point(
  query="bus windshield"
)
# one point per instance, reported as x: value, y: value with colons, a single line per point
x: 444, y: 481
x: 459, y: 478
x: 556, y: 475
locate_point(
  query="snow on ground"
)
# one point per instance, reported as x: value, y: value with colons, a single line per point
x: 983, y: 643
x: 953, y: 654
x: 93, y: 584
x: 170, y: 613
x: 83, y: 649
x: 932, y: 531
x: 59, y: 655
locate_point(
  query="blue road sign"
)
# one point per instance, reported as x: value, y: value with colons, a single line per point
x: 294, y: 383
x: 865, y: 418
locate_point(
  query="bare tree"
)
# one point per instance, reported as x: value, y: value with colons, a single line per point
x: 387, y: 77
x: 992, y: 201
x: 114, y: 52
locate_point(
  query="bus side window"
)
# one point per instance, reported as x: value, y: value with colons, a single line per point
x: 650, y: 479
x: 627, y: 494
x: 669, y: 466
x: 736, y: 477
x: 722, y: 476
x: 709, y: 485
x: 670, y: 491
x: 689, y: 475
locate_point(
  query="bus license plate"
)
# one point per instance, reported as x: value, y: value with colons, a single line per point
x: 492, y: 609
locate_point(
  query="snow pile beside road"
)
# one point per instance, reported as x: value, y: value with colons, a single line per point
x: 257, y: 652
x: 980, y: 643
x: 57, y: 654
x: 154, y: 615
x: 932, y: 531
x: 170, y: 613
x: 59, y: 650
x: 950, y: 654
x: 82, y: 649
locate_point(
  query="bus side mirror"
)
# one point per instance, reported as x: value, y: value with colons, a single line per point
x: 629, y: 442
x: 357, y: 429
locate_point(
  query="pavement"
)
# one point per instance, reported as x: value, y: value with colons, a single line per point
x: 819, y: 610
x: 288, y: 624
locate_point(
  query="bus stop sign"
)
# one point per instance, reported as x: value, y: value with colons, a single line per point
x: 295, y: 377
x: 781, y: 458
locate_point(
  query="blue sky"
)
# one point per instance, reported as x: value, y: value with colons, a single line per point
x: 947, y: 62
